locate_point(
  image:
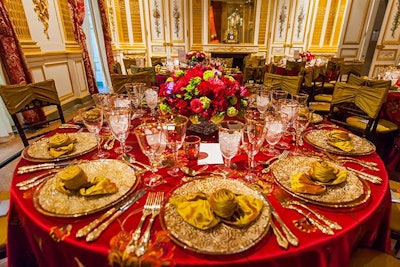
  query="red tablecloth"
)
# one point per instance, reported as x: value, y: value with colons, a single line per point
x: 49, y: 241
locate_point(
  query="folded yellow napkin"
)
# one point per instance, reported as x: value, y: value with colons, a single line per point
x: 100, y: 186
x: 340, y: 139
x: 325, y: 173
x: 248, y: 210
x: 60, y: 144
x: 59, y: 151
x: 195, y: 210
x: 301, y: 183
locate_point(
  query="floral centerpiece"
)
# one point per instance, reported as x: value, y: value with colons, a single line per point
x: 307, y: 56
x: 194, y: 57
x: 203, y: 94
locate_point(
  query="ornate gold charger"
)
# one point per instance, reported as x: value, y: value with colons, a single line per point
x: 39, y: 151
x: 221, y: 239
x: 318, y: 139
x: 49, y: 201
x: 351, y: 193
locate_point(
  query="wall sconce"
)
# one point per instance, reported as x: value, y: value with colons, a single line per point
x: 42, y: 11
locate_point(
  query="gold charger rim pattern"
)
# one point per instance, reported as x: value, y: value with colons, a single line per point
x: 221, y: 239
x: 318, y: 139
x: 48, y: 201
x: 37, y: 151
x: 351, y: 193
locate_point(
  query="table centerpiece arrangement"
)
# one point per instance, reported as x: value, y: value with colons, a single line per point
x: 204, y: 94
x: 195, y: 57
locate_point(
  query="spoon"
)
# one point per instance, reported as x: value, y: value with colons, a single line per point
x: 129, y: 158
x: 188, y: 171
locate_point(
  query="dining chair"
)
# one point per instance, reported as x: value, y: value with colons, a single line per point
x: 118, y: 81
x: 358, y: 108
x: 291, y: 84
x: 157, y: 60
x: 365, y: 257
x: 32, y: 96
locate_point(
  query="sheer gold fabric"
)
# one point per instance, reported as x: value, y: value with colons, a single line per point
x: 16, y: 97
x: 291, y: 84
x: 118, y: 81
x: 368, y: 99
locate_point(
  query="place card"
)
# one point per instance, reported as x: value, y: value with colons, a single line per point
x: 210, y: 153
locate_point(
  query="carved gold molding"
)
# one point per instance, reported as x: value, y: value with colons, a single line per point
x: 42, y: 11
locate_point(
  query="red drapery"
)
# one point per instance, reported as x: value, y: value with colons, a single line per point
x: 14, y: 61
x: 77, y: 11
x: 106, y: 35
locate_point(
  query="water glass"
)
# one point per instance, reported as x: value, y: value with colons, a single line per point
x: 229, y: 138
x: 151, y: 95
x: 119, y: 120
x: 92, y: 117
x: 174, y: 127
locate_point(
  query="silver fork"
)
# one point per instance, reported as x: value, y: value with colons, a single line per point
x: 284, y: 155
x: 155, y: 210
x: 133, y: 243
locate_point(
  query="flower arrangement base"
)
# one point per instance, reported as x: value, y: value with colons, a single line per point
x: 203, y: 127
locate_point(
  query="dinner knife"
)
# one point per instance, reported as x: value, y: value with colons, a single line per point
x: 94, y: 230
x: 42, y: 166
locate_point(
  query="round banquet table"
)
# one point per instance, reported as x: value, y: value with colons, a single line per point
x: 35, y: 239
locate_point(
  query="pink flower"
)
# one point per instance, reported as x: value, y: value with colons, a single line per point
x: 196, y: 106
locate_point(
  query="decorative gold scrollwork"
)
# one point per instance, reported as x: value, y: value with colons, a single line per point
x: 42, y: 11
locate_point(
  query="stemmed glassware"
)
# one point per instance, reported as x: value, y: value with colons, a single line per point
x: 278, y: 96
x: 149, y: 136
x: 301, y: 98
x: 301, y: 122
x: 253, y: 138
x: 92, y: 117
x: 119, y: 120
x: 275, y: 125
x: 229, y: 138
x: 174, y: 127
x: 263, y: 100
x: 151, y: 95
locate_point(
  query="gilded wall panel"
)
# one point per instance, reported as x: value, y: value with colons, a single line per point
x: 122, y: 22
x: 197, y: 22
x: 354, y: 27
x: 18, y: 18
x: 262, y: 32
x: 391, y: 35
x: 136, y: 21
x: 66, y: 21
x: 319, y: 22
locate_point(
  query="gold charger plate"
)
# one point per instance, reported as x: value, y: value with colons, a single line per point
x: 49, y: 201
x: 318, y: 139
x: 39, y: 151
x: 351, y: 193
x: 316, y: 118
x: 221, y: 239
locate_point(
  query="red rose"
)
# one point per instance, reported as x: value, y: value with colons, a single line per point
x: 196, y: 106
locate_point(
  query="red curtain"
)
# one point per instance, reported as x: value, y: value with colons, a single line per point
x: 14, y: 61
x: 11, y: 51
x: 106, y: 35
x: 77, y: 11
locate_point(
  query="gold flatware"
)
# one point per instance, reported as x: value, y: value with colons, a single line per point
x: 42, y: 166
x: 94, y: 229
x: 365, y: 165
x: 366, y: 176
x: 280, y: 239
x: 155, y: 210
x: 333, y: 225
x: 36, y: 180
x: 267, y: 164
x: 291, y: 238
x: 323, y: 228
x: 370, y: 163
x: 133, y: 243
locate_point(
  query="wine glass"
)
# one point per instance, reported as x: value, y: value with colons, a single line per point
x: 149, y: 139
x: 119, y: 120
x: 92, y: 117
x: 301, y: 122
x: 229, y: 137
x: 275, y: 126
x: 253, y: 138
x: 263, y: 99
x: 151, y: 95
x: 301, y: 98
x: 278, y: 96
x: 174, y: 127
